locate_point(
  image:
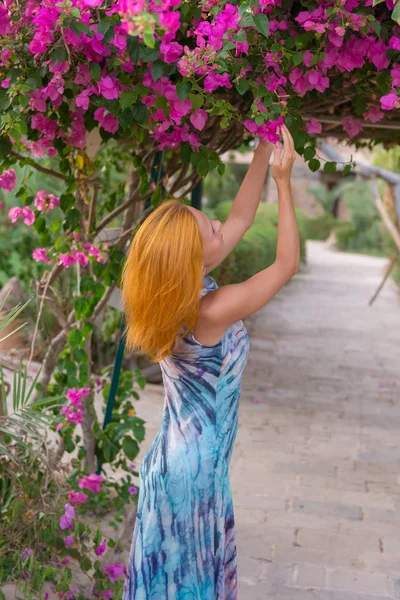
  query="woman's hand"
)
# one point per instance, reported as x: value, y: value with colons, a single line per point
x: 284, y: 158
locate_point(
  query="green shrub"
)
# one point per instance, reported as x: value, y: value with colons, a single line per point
x: 257, y: 250
x: 345, y: 233
x: 320, y: 227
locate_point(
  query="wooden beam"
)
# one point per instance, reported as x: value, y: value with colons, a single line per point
x: 390, y: 226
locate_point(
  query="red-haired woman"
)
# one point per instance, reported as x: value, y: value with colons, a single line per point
x: 183, y: 545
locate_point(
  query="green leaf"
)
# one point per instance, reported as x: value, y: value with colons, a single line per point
x: 130, y: 447
x: 55, y: 226
x: 67, y: 201
x: 95, y: 71
x: 376, y: 2
x: 138, y: 429
x: 377, y: 27
x: 261, y: 23
x: 157, y: 70
x: 139, y: 113
x: 297, y: 58
x: 73, y: 218
x: 74, y: 338
x: 148, y: 38
x: 128, y: 98
x: 330, y: 167
x: 197, y: 100
x: 58, y: 55
x: 185, y: 152
x: 242, y: 86
x: 314, y: 165
x: 5, y: 146
x: 85, y: 564
x: 309, y: 153
x: 396, y: 13
x: 40, y: 225
x: 203, y: 167
x: 183, y: 89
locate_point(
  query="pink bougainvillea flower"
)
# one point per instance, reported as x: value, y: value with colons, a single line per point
x: 313, y: 127
x: 77, y: 497
x: 250, y: 125
x: 91, y: 482
x: 170, y: 21
x: 108, y: 88
x: 216, y: 80
x: 66, y: 260
x: 8, y: 180
x: 40, y: 255
x: 26, y: 213
x: 6, y: 82
x: 394, y: 43
x: 1, y: 205
x: 107, y: 120
x: 107, y: 594
x: 113, y: 571
x: 38, y: 101
x: 93, y: 3
x: 76, y: 394
x: 390, y: 101
x: 351, y: 126
x: 68, y: 516
x: 199, y: 118
x: 101, y: 549
x: 72, y: 592
x: 171, y: 51
x: 132, y: 466
x: 132, y: 490
x: 374, y: 114
x: 69, y: 540
x: 45, y: 202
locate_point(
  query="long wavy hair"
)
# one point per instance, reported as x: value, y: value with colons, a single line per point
x: 162, y: 279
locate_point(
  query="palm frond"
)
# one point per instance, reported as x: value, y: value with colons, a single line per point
x: 11, y: 316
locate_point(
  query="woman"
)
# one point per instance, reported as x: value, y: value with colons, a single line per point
x: 183, y: 545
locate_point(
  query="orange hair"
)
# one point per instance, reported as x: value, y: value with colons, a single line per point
x: 162, y: 279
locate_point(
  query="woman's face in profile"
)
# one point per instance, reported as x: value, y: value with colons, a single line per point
x: 213, y: 241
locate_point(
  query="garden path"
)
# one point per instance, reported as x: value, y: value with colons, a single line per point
x: 315, y: 471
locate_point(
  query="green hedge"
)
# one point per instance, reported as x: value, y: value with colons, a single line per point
x: 319, y: 228
x: 257, y: 250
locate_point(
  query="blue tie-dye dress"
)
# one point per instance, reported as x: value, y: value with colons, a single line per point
x: 183, y: 545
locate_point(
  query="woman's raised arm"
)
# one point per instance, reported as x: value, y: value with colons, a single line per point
x: 244, y: 208
x: 231, y: 303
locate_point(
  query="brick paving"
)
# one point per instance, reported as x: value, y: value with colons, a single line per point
x: 316, y: 469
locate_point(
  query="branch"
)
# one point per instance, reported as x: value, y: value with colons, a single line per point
x: 390, y: 226
x: 33, y: 164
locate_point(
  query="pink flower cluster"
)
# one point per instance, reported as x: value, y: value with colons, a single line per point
x: 73, y: 412
x: 91, y: 482
x: 67, y: 518
x: 44, y: 202
x: 26, y: 213
x: 8, y: 180
x: 269, y: 131
x: 81, y: 257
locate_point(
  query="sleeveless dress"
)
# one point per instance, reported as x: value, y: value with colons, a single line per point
x: 183, y: 545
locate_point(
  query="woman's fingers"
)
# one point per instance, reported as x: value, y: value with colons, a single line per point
x: 291, y: 142
x: 278, y: 153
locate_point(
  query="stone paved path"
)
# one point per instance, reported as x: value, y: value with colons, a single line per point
x: 316, y: 468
